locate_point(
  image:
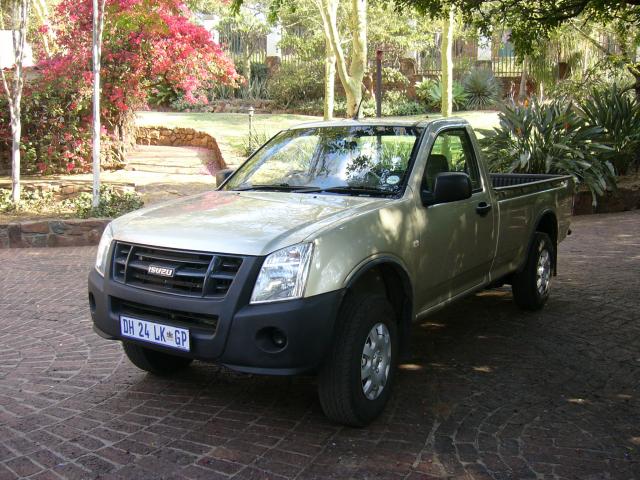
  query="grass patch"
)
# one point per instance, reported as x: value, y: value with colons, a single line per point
x: 229, y: 129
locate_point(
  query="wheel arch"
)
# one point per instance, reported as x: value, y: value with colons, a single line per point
x: 389, y: 277
x: 547, y: 222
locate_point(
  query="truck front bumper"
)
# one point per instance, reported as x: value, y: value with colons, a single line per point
x: 280, y: 338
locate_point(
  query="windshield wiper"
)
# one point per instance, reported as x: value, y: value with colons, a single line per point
x: 349, y: 189
x: 283, y: 187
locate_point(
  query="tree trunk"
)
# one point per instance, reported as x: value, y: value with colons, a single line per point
x: 16, y: 131
x: 329, y: 80
x: 351, y: 78
x: 358, y: 55
x: 246, y: 64
x: 13, y: 90
x: 447, y: 64
x: 522, y: 94
x: 98, y: 26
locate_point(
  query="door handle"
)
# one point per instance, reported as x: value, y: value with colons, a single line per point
x: 483, y: 208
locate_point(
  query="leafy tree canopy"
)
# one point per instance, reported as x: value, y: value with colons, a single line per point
x: 532, y: 19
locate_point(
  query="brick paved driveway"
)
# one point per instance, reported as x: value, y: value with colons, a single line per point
x: 491, y: 392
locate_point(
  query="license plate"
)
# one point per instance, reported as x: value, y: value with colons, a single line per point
x: 166, y: 335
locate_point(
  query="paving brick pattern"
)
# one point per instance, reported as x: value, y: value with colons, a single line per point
x: 491, y: 392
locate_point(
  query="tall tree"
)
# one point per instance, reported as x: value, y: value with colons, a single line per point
x: 329, y: 80
x: 13, y: 84
x: 350, y: 73
x: 98, y: 27
x: 533, y: 21
x: 337, y: 21
x: 448, y: 26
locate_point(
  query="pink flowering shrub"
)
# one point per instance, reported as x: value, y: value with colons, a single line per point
x: 146, y: 43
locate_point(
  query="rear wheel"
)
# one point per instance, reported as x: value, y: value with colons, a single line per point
x: 158, y: 363
x: 531, y: 285
x: 355, y: 383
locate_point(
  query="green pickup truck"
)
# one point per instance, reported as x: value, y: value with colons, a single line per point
x: 320, y: 251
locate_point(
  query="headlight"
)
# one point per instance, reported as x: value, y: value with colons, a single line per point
x: 103, y: 250
x: 283, y: 275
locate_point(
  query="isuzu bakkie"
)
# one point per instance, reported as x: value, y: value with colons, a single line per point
x: 318, y: 253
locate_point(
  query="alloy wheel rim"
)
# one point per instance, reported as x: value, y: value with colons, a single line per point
x: 375, y: 363
x: 543, y: 272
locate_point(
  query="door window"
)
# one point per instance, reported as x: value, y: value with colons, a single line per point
x: 451, y: 152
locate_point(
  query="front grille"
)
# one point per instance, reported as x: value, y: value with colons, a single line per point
x: 195, y: 274
x: 146, y: 312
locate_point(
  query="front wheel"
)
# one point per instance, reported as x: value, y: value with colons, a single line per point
x: 531, y: 285
x: 355, y: 383
x: 155, y: 362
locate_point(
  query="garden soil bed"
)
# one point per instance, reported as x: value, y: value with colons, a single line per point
x: 626, y: 197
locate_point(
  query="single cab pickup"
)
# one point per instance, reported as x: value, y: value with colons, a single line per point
x: 318, y: 253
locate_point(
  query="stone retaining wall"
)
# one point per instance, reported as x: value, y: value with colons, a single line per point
x: 180, y: 137
x: 52, y: 233
x: 622, y: 200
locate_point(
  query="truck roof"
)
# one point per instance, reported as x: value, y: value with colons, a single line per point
x: 378, y: 122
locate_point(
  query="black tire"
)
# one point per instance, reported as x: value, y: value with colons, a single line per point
x: 155, y: 362
x: 526, y: 291
x: 340, y: 384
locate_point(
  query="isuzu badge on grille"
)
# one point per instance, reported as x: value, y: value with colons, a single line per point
x: 161, y: 271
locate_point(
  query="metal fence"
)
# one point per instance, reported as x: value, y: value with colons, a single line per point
x: 502, y: 60
x: 468, y: 53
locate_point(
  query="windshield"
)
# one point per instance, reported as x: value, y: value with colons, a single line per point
x: 363, y: 160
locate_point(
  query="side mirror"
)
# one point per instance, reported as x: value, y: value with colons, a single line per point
x: 222, y: 175
x: 449, y: 187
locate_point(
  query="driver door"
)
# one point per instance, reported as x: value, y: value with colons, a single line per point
x: 456, y: 239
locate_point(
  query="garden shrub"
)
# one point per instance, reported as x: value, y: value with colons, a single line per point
x: 396, y: 104
x: 296, y: 83
x: 259, y: 71
x: 393, y: 78
x: 422, y: 89
x: 113, y: 203
x: 30, y: 201
x: 550, y: 138
x: 163, y: 94
x: 482, y: 89
x: 430, y: 91
x: 618, y: 115
x: 56, y: 134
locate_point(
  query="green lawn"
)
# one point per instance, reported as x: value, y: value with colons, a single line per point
x: 231, y: 129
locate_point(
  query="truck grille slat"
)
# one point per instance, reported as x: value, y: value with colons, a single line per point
x: 147, y: 312
x: 195, y: 274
